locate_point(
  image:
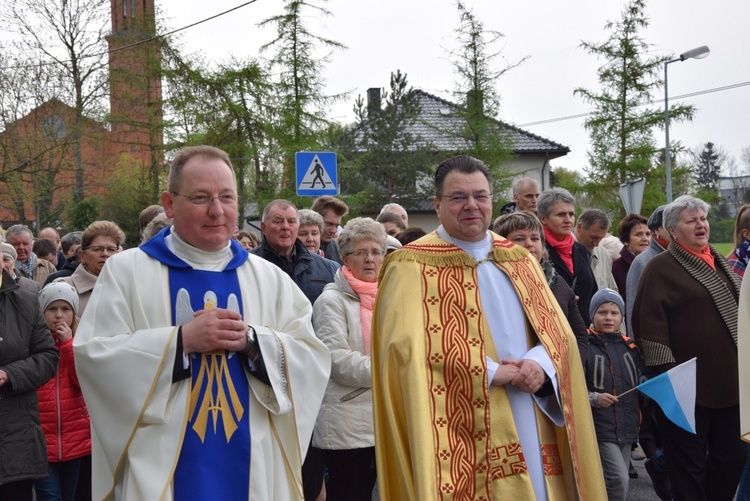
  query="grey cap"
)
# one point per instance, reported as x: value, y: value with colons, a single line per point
x: 606, y: 296
x: 655, y: 221
x: 59, y: 291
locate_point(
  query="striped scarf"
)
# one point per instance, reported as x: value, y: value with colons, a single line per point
x: 27, y: 269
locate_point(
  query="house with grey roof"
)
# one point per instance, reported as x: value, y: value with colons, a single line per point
x: 734, y: 192
x: 440, y: 118
x: 437, y: 127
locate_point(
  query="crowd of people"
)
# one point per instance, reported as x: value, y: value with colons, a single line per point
x: 315, y: 360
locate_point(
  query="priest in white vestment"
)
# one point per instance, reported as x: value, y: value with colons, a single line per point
x: 198, y: 363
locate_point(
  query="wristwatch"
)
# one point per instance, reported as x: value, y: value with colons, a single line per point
x: 250, y: 341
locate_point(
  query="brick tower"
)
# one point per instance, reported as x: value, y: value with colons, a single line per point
x: 135, y: 86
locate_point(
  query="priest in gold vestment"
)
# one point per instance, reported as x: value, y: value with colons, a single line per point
x: 478, y: 387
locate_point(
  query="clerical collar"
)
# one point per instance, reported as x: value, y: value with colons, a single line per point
x: 478, y: 250
x: 195, y: 257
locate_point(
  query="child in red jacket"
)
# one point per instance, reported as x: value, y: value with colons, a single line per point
x: 63, y: 413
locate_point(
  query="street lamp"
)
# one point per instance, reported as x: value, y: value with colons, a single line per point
x: 697, y: 53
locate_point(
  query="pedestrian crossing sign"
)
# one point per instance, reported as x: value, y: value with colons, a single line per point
x: 316, y: 173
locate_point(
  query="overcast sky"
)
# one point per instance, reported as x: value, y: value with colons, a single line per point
x: 412, y: 35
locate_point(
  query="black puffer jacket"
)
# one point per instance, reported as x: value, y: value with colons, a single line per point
x: 614, y: 365
x: 29, y: 357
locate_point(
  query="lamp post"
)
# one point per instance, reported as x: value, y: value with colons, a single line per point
x: 697, y: 53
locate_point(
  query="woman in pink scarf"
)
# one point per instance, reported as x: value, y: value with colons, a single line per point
x: 342, y: 317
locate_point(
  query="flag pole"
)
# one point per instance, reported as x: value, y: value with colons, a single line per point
x: 625, y: 393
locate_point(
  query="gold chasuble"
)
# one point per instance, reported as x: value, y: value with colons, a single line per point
x: 440, y: 432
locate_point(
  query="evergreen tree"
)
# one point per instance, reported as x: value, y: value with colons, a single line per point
x: 392, y: 159
x: 476, y: 89
x: 707, y: 168
x: 620, y: 127
x: 226, y: 107
x: 300, y: 102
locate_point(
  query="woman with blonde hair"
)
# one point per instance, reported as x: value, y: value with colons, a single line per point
x: 99, y: 241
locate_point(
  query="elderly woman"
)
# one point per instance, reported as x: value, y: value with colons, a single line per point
x: 310, y: 228
x: 685, y: 307
x: 524, y: 229
x: 739, y: 257
x: 636, y: 237
x: 28, y: 359
x: 342, y: 317
x: 99, y: 241
x: 556, y: 209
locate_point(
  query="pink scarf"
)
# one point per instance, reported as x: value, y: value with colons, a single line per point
x: 366, y: 292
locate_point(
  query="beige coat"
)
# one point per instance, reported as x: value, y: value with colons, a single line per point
x: 84, y: 281
x: 345, y: 419
x: 601, y: 265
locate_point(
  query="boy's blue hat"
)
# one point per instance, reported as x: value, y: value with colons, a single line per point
x: 606, y: 296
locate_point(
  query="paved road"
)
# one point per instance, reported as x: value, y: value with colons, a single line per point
x: 641, y: 489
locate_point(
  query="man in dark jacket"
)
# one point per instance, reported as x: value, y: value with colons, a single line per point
x: 281, y: 246
x: 70, y: 244
x: 311, y: 273
x: 28, y: 359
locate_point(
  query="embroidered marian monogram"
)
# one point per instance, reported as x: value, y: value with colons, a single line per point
x: 214, y: 375
x: 213, y: 391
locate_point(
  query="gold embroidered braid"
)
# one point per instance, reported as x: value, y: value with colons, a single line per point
x: 723, y: 299
x: 444, y: 255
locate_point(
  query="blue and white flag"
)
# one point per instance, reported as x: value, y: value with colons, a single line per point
x: 674, y: 391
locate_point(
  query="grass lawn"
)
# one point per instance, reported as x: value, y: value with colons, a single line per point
x: 723, y: 248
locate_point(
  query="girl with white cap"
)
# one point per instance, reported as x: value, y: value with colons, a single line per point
x: 65, y: 419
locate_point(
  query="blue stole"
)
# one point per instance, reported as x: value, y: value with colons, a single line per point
x: 214, y: 461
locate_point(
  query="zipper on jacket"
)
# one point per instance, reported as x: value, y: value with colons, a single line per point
x: 59, y: 416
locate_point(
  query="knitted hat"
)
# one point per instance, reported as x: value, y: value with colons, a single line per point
x: 606, y: 296
x: 9, y: 250
x: 59, y: 290
x: 655, y: 221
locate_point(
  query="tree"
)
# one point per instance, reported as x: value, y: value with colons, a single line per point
x: 393, y: 158
x: 70, y: 35
x: 620, y: 127
x: 35, y: 147
x: 300, y: 102
x: 226, y: 107
x: 707, y: 168
x: 473, y: 63
x: 125, y: 197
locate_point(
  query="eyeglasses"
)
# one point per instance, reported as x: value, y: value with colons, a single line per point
x: 98, y: 249
x: 226, y: 199
x: 361, y: 254
x: 462, y: 198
